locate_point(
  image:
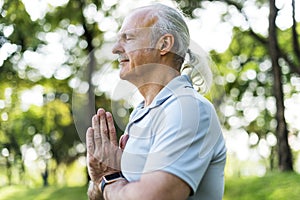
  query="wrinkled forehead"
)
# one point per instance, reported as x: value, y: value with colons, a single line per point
x: 135, y: 32
x: 139, y: 19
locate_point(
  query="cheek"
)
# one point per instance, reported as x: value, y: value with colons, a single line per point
x: 132, y: 47
x: 137, y: 46
x: 134, y: 56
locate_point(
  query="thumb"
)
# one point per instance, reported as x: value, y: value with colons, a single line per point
x: 123, y: 141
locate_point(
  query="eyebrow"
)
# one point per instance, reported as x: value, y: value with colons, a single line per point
x: 131, y: 32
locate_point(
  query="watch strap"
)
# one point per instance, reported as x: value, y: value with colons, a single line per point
x: 110, y: 178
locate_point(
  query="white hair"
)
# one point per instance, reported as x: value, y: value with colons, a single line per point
x: 197, y: 66
x: 172, y: 21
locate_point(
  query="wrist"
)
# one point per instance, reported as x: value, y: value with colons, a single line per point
x: 109, y: 179
x: 114, y: 190
x: 94, y: 192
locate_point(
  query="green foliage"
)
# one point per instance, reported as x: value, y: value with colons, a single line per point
x: 16, y: 15
x: 270, y: 187
x: 285, y: 38
x: 244, y: 57
x: 62, y: 193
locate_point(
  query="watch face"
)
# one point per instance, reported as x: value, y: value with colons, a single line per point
x: 113, y: 176
x: 110, y: 179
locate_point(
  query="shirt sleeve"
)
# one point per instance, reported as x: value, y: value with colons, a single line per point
x: 183, y: 139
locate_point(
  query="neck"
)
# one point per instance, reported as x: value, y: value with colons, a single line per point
x: 154, y: 83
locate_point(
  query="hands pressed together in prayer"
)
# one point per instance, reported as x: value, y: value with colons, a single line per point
x: 103, y: 151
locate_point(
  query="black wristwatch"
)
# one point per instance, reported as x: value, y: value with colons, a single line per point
x: 111, y: 178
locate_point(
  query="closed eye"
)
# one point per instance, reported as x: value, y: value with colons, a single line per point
x: 126, y: 36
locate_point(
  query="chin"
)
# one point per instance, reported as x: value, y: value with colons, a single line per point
x: 128, y: 76
x: 123, y: 73
x: 122, y: 77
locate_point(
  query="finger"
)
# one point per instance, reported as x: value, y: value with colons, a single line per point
x: 111, y: 129
x: 103, y: 125
x: 123, y: 140
x: 90, y: 141
x: 97, y: 132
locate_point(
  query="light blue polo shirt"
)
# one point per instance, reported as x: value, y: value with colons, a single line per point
x: 179, y: 133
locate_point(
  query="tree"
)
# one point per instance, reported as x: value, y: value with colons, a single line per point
x: 284, y: 152
x: 250, y: 50
x: 30, y: 65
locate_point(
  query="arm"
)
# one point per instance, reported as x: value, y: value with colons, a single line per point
x: 155, y: 185
x: 94, y: 192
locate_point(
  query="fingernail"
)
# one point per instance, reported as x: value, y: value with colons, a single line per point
x: 101, y: 111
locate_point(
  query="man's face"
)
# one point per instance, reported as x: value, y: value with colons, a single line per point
x: 134, y: 45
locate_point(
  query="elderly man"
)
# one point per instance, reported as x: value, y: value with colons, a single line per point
x: 173, y: 147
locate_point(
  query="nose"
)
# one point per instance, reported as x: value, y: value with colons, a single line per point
x: 117, y: 48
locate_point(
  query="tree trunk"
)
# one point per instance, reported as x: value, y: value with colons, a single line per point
x: 8, y: 171
x: 284, y: 151
x: 45, y: 177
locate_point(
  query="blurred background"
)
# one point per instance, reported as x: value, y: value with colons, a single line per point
x: 56, y: 68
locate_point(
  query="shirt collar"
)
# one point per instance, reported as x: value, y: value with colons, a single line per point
x: 179, y: 82
x: 173, y: 87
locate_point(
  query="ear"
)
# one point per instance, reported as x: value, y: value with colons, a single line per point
x: 165, y: 44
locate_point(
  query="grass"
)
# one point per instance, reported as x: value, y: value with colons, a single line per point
x: 51, y: 193
x: 276, y: 186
